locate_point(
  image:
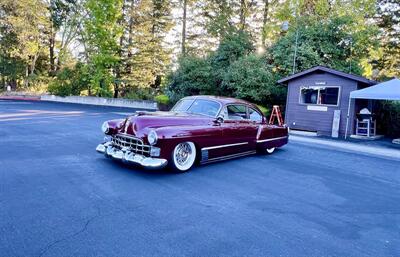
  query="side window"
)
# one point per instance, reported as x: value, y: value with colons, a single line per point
x: 255, y: 115
x: 224, y: 113
x: 236, y: 112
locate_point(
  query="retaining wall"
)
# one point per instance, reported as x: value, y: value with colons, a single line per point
x: 117, y: 102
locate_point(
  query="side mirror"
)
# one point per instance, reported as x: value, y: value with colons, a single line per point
x: 219, y: 120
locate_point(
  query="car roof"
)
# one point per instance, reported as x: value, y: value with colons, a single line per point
x: 221, y: 99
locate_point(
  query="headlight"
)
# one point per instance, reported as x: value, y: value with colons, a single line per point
x: 152, y: 137
x: 105, y: 127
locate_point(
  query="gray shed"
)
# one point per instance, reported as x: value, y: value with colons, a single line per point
x: 315, y: 94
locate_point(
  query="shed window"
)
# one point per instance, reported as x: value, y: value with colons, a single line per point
x: 319, y: 95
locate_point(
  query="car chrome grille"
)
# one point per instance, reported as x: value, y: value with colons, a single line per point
x: 134, y: 144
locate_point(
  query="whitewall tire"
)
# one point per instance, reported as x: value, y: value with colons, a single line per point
x: 183, y: 156
x: 270, y: 150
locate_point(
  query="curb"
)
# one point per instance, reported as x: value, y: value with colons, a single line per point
x: 351, y: 147
x: 21, y: 98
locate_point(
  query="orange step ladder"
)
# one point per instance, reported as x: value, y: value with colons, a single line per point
x: 276, y: 113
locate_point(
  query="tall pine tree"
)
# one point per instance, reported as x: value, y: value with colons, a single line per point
x: 388, y: 56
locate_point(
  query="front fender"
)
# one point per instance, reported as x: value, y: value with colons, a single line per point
x: 201, y: 136
x: 114, y: 126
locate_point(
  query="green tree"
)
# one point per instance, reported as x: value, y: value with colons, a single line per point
x: 150, y: 56
x: 65, y: 20
x: 205, y: 75
x: 102, y: 33
x: 193, y: 77
x: 252, y: 79
x: 387, y: 56
x: 26, y: 22
x: 326, y: 42
x: 234, y: 45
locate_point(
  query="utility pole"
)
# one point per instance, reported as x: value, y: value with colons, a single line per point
x: 297, y: 36
x: 351, y: 50
x: 295, y: 51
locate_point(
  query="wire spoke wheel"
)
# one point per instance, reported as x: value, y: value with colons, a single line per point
x: 184, y: 156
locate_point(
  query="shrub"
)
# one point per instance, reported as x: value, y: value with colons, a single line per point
x: 204, y: 75
x: 251, y: 79
x: 163, y: 102
x: 193, y: 77
x: 390, y: 118
x: 71, y: 81
x: 162, y: 99
x: 62, y: 84
x: 138, y: 93
x: 266, y: 111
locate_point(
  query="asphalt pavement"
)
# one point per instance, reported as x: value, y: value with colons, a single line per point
x: 58, y: 197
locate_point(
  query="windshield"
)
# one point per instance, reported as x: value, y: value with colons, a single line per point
x: 197, y: 106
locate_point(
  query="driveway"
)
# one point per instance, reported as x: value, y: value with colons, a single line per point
x: 58, y: 197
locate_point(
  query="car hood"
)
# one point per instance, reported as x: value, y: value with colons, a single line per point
x: 141, y: 122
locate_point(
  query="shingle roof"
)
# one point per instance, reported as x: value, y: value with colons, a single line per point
x: 328, y: 70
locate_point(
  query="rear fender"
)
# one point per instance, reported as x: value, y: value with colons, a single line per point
x: 272, y: 136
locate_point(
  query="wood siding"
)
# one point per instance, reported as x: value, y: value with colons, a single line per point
x: 319, y: 121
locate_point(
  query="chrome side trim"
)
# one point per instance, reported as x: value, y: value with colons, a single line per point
x: 223, y: 146
x: 271, y: 139
x: 227, y: 157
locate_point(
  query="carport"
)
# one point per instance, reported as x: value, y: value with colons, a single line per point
x: 389, y: 90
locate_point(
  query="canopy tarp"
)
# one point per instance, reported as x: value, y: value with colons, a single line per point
x: 389, y: 90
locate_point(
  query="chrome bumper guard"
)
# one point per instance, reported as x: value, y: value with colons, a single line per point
x: 127, y: 156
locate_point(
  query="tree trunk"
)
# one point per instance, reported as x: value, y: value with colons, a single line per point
x: 184, y: 28
x: 120, y: 51
x: 3, y: 81
x: 51, y: 50
x: 33, y: 64
x: 265, y: 21
x: 26, y: 76
x: 243, y: 13
x: 116, y: 90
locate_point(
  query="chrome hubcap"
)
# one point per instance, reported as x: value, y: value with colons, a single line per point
x: 183, y: 153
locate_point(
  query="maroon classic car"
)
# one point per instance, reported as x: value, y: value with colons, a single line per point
x: 198, y: 129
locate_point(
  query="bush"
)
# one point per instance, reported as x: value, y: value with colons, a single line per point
x: 163, y: 102
x: 204, y: 76
x: 38, y: 84
x: 389, y: 116
x: 230, y: 71
x: 62, y: 84
x: 251, y: 79
x: 71, y: 81
x: 266, y: 111
x: 138, y: 93
x: 193, y: 77
x: 162, y: 99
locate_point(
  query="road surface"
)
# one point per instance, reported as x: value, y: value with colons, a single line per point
x: 58, y: 197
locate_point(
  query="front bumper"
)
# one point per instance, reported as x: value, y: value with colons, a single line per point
x: 130, y: 157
